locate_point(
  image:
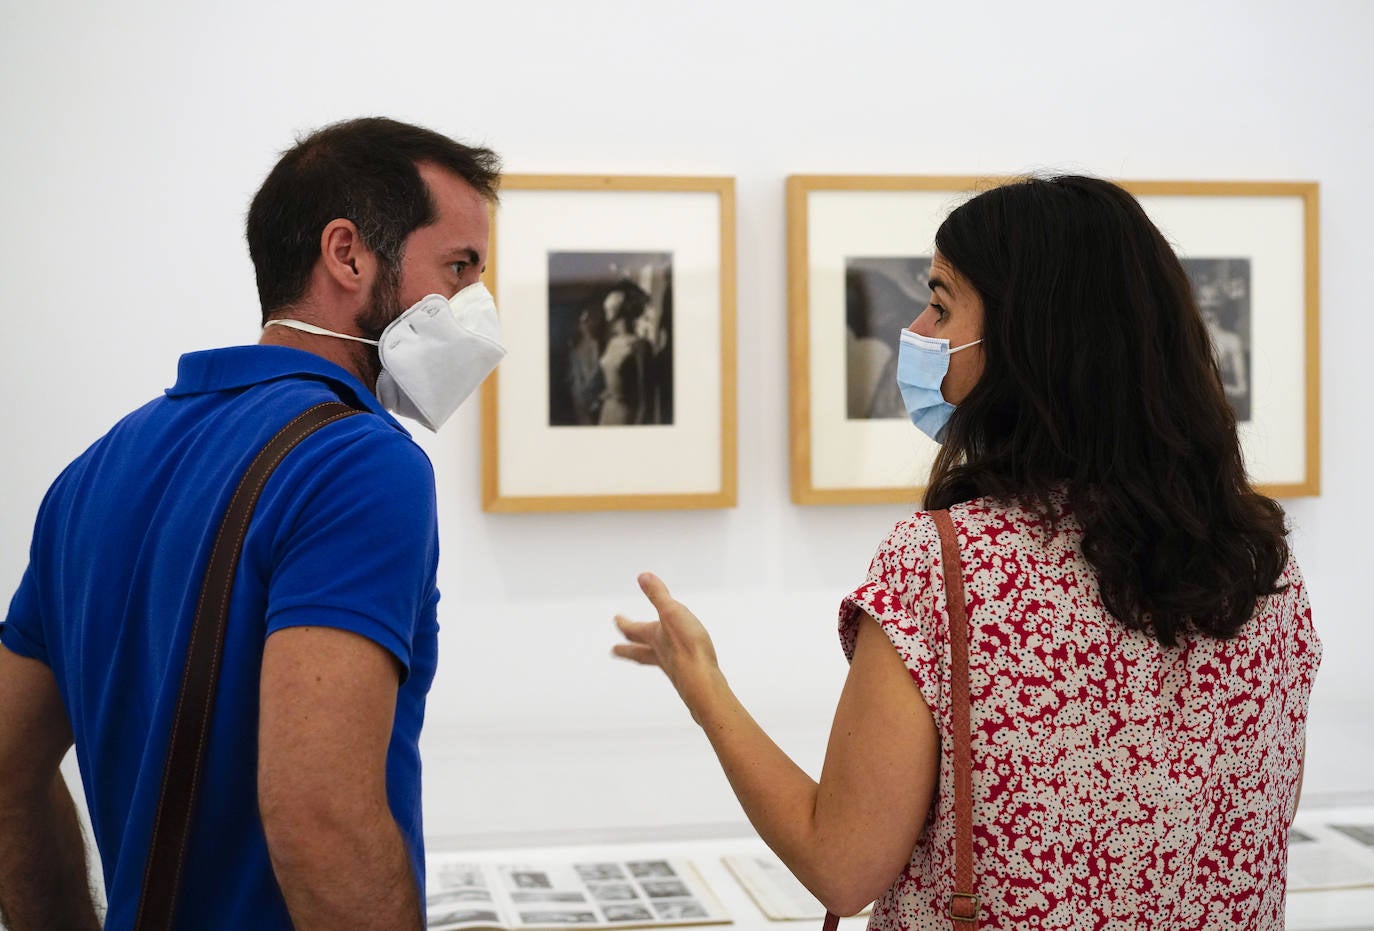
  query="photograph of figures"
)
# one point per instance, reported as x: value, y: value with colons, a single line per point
x: 617, y: 302
x: 859, y: 254
x: 1222, y: 290
x: 1250, y: 251
x: 859, y: 257
x: 610, y: 339
x: 882, y: 296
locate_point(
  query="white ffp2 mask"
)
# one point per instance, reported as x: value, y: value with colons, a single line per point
x: 434, y: 355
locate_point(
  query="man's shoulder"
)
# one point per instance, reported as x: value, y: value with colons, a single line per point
x: 364, y: 443
x: 212, y: 436
x: 361, y: 459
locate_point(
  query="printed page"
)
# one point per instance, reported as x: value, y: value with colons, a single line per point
x: 460, y: 895
x: 778, y: 893
x: 464, y: 896
x: 1330, y: 856
x: 546, y: 895
x: 633, y: 893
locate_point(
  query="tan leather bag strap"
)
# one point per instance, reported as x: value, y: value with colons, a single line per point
x: 191, y: 722
x: 963, y: 904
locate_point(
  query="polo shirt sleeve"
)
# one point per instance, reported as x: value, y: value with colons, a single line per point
x: 361, y: 549
x: 22, y: 630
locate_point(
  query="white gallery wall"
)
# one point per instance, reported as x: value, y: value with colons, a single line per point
x: 133, y: 135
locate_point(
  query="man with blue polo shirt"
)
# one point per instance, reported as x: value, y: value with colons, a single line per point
x: 368, y: 239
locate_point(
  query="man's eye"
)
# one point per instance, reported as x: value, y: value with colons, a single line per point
x: 458, y: 268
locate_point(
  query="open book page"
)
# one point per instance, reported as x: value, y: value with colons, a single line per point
x: 1330, y: 856
x: 596, y: 894
x: 778, y: 893
x: 459, y: 895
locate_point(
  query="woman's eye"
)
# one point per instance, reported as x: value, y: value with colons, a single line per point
x: 940, y: 312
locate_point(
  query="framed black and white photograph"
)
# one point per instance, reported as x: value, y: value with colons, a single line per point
x: 1251, y: 252
x: 859, y: 251
x: 610, y: 339
x: 616, y: 297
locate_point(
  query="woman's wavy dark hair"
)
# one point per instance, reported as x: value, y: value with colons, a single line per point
x: 1099, y: 378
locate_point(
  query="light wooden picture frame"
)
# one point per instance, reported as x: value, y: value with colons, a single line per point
x: 1252, y: 250
x: 617, y: 303
x: 857, y: 246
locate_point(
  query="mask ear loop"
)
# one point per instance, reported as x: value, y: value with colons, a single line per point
x: 966, y: 345
x: 318, y: 330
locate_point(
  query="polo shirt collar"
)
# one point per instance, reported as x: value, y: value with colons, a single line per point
x: 241, y: 366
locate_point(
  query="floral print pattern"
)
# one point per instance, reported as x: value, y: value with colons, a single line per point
x: 1118, y: 783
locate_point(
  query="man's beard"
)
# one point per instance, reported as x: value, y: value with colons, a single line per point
x: 384, y: 303
x: 383, y: 306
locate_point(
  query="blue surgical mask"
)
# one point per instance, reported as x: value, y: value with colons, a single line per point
x: 922, y: 362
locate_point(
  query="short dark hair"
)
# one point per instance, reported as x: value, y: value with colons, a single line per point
x: 1099, y: 377
x: 364, y: 170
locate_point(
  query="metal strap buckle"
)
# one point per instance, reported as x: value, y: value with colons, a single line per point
x: 964, y: 906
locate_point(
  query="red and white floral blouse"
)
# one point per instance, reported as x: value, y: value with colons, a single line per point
x: 1117, y: 783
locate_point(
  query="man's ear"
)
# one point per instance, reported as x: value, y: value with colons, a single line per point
x: 349, y: 264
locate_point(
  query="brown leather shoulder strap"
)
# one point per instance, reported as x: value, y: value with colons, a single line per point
x: 191, y: 721
x: 963, y: 904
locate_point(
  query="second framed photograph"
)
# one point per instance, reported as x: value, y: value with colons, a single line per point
x: 616, y: 297
x: 859, y: 254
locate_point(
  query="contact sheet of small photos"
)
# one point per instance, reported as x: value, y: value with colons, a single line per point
x: 617, y: 298
x: 591, y: 894
x: 859, y: 254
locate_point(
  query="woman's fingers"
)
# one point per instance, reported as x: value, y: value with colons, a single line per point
x: 636, y: 652
x: 635, y: 631
x: 640, y: 635
x: 652, y: 586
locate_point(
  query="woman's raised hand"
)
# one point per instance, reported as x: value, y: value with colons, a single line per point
x: 677, y: 643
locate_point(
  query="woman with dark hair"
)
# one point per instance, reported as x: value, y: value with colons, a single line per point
x: 1140, y: 648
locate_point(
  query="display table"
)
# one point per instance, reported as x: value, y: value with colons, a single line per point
x: 1327, y: 910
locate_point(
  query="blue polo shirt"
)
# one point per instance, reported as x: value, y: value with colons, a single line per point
x: 344, y: 535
